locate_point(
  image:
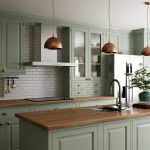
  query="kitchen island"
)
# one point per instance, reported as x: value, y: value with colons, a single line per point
x: 85, y: 129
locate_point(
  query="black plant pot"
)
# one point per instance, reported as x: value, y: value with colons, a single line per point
x: 144, y: 96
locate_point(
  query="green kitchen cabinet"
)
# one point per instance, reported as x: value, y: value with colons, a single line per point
x: 140, y: 40
x: 76, y: 139
x: 86, y: 52
x: 12, y: 45
x: 141, y: 134
x: 55, y: 106
x: 9, y: 127
x: 117, y: 136
x: 4, y: 137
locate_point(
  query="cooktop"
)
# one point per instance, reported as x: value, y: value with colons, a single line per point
x: 41, y: 99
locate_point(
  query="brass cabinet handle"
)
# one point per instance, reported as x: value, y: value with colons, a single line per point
x: 1, y: 123
x: 96, y: 91
x: 78, y: 93
x: 96, y: 84
x: 78, y: 85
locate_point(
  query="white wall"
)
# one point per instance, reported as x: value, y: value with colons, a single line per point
x: 125, y: 14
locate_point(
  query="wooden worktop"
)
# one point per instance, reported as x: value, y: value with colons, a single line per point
x: 24, y: 102
x: 65, y: 118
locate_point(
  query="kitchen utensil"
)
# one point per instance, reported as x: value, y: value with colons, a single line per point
x: 7, y: 88
x: 13, y: 83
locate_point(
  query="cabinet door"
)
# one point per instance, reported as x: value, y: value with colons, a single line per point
x: 12, y: 45
x: 78, y: 139
x: 95, y: 54
x: 79, y: 52
x: 4, y: 137
x: 14, y: 137
x: 117, y: 136
x: 141, y: 134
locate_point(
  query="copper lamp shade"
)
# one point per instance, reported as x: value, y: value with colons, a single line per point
x: 53, y: 43
x: 109, y: 48
x: 146, y: 51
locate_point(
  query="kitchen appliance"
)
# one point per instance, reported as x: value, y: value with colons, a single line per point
x: 121, y: 67
x: 44, y: 57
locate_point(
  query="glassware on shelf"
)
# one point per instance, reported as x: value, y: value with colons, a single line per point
x: 94, y: 58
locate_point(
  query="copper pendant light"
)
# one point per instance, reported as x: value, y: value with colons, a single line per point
x: 109, y: 47
x: 146, y: 50
x: 53, y: 42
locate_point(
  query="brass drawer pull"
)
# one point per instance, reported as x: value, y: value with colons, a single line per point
x: 96, y: 84
x: 96, y: 91
x: 78, y: 85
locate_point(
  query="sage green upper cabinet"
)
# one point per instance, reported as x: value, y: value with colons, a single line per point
x: 86, y: 52
x: 12, y: 45
x: 139, y: 37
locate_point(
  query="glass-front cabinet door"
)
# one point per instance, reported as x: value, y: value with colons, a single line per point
x: 79, y: 53
x: 95, y: 55
x: 86, y: 52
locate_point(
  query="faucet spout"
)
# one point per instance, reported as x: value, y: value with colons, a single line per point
x: 119, y: 94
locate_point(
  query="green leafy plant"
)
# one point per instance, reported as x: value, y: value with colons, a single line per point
x: 141, y: 78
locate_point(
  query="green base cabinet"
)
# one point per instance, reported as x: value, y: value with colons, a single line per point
x: 55, y: 106
x: 78, y: 139
x: 9, y: 127
x: 141, y: 134
x: 4, y: 137
x: 132, y: 134
x: 117, y: 136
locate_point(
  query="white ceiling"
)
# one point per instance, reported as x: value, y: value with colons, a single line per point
x: 125, y: 14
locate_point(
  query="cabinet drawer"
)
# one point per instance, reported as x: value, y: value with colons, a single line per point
x: 78, y: 93
x: 10, y: 112
x: 78, y: 85
x: 93, y: 92
x: 94, y: 85
x: 55, y: 106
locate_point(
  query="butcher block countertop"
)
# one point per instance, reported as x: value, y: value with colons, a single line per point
x: 66, y: 118
x: 25, y: 102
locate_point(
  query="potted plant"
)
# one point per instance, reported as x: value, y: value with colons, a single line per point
x: 141, y: 79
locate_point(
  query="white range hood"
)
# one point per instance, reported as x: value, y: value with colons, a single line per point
x: 45, y: 57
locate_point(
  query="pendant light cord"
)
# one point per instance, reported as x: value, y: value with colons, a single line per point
x: 147, y: 23
x: 109, y: 20
x: 53, y: 7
